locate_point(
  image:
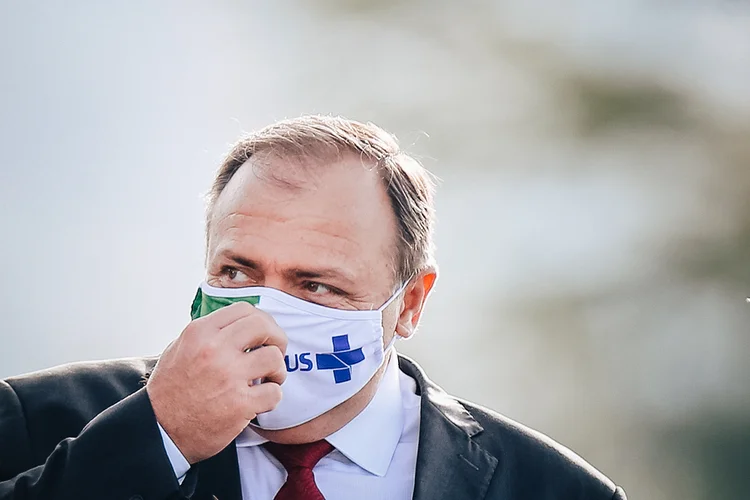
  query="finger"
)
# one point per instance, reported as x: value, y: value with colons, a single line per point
x: 221, y: 318
x: 261, y: 398
x: 265, y: 363
x: 254, y: 331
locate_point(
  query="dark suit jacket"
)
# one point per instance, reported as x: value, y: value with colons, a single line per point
x: 87, y: 431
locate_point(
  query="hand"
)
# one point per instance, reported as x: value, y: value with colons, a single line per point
x: 201, y: 389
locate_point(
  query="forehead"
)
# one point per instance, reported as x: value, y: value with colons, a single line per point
x: 316, y: 210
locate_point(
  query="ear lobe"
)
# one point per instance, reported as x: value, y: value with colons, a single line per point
x: 404, y: 330
x: 415, y: 296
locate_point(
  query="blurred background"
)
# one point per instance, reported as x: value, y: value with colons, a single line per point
x: 594, y: 208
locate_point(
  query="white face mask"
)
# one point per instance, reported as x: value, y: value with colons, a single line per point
x: 331, y: 355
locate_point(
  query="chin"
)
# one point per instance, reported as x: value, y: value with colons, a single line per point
x: 331, y: 421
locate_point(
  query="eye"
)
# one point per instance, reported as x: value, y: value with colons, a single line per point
x: 316, y: 288
x: 234, y: 275
x: 319, y: 288
x: 322, y: 294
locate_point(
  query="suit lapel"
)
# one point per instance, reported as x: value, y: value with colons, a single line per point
x: 219, y: 477
x: 450, y: 464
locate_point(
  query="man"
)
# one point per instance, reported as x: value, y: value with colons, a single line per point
x: 285, y: 384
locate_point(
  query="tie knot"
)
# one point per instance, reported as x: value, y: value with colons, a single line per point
x: 304, y: 456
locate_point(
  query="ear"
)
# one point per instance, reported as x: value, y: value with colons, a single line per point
x: 415, y: 296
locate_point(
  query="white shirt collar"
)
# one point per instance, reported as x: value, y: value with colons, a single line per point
x: 369, y: 439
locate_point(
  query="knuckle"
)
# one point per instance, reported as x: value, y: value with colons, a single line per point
x: 266, y: 322
x: 282, y: 340
x: 207, y: 351
x: 283, y: 343
x: 275, y: 355
x: 252, y: 323
x: 195, y: 328
x: 276, y: 373
x: 243, y: 307
x: 265, y: 398
x: 199, y: 323
x: 272, y: 396
x: 276, y: 394
x: 255, y: 322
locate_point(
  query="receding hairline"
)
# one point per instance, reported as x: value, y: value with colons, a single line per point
x: 307, y: 139
x: 298, y: 169
x: 262, y: 168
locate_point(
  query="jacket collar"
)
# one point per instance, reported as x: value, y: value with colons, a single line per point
x: 450, y: 464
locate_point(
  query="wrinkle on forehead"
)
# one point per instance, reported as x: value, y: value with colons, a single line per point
x: 298, y: 228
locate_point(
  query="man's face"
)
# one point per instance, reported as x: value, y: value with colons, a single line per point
x: 329, y: 236
x: 326, y: 235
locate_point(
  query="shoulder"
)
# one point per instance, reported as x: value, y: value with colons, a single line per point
x: 121, y: 376
x: 58, y: 402
x: 529, y: 464
x: 533, y: 458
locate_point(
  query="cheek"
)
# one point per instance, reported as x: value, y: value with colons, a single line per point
x: 390, y: 321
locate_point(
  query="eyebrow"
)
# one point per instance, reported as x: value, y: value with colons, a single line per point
x: 240, y: 260
x: 332, y: 272
x: 297, y: 272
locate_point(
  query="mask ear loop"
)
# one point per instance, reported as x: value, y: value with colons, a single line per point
x: 393, y: 297
x: 388, y: 302
x: 392, y: 342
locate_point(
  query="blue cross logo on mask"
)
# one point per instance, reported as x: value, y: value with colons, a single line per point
x: 341, y: 359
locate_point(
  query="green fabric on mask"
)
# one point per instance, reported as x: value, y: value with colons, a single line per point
x: 206, y: 304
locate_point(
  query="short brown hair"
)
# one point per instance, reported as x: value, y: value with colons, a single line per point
x: 409, y: 185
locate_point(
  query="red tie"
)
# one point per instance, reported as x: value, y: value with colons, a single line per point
x: 299, y: 460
